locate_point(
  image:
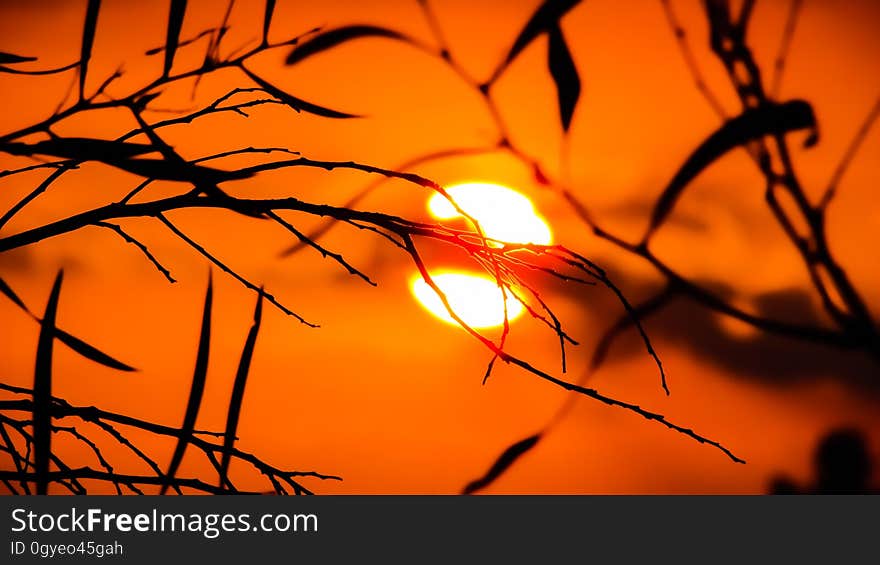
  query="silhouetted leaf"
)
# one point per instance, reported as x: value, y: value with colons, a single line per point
x: 78, y: 345
x: 42, y: 416
x: 565, y: 75
x: 117, y: 154
x: 81, y: 149
x: 176, y: 13
x: 11, y: 295
x: 90, y: 26
x: 752, y: 124
x: 296, y: 103
x: 6, y: 58
x: 90, y: 351
x: 331, y: 38
x: 196, y: 390
x: 39, y: 72
x: 267, y: 20
x: 504, y: 461
x: 237, y: 397
x: 161, y: 169
x: 546, y: 16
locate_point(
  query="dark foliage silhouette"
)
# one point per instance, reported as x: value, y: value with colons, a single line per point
x: 759, y: 127
x: 842, y: 466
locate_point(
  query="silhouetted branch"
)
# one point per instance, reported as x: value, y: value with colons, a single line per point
x: 131, y: 481
x: 640, y: 312
x: 98, y: 455
x: 19, y: 462
x: 56, y: 174
x: 684, y: 47
x: 858, y: 335
x: 143, y: 248
x: 407, y: 165
x: 794, y: 11
x: 53, y: 165
x: 319, y: 248
x: 776, y: 165
x: 184, y: 43
x: 125, y: 442
x: 510, y: 359
x: 234, y: 274
x: 849, y: 155
x: 687, y: 289
x: 757, y: 127
x: 10, y: 70
x: 208, y: 443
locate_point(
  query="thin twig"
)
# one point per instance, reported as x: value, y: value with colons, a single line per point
x: 204, y: 252
x: 687, y: 53
x: 143, y: 248
x: 849, y: 155
x: 794, y: 10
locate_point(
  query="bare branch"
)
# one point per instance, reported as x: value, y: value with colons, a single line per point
x: 849, y: 155
x: 143, y: 248
x: 202, y: 251
x: 794, y: 10
x: 687, y: 52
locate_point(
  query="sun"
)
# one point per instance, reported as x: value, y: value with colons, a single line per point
x: 476, y: 299
x: 503, y: 214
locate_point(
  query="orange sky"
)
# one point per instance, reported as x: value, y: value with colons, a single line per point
x: 383, y: 394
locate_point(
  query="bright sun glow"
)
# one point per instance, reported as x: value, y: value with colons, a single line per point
x: 476, y: 299
x: 503, y: 213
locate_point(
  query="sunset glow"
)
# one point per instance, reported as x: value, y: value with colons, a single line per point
x: 503, y: 213
x: 221, y: 216
x: 476, y: 299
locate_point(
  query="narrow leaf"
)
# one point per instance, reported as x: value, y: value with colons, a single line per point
x: 504, y: 461
x: 769, y: 119
x: 90, y: 26
x: 296, y: 103
x: 546, y: 16
x: 565, y: 75
x: 120, y: 155
x: 6, y: 58
x: 160, y: 169
x: 42, y: 414
x: 237, y: 397
x: 197, y: 388
x: 331, y: 38
x: 80, y: 148
x: 73, y: 342
x: 267, y: 20
x: 175, y: 22
x: 90, y: 352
